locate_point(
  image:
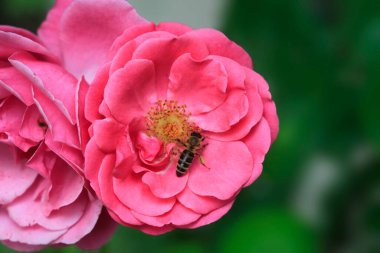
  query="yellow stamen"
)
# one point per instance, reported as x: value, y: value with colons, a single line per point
x: 169, y: 122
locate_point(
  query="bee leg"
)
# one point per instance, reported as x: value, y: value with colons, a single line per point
x: 182, y: 143
x: 203, y: 146
x: 202, y: 161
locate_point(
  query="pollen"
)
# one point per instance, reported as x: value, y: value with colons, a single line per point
x: 169, y: 121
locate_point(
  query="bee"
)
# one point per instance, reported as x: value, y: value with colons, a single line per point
x: 194, y: 143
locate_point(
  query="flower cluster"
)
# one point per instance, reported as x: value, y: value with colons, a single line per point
x: 107, y: 118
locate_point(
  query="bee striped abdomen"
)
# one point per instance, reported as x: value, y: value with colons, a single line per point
x: 184, y: 162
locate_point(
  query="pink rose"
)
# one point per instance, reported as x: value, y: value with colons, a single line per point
x: 162, y: 83
x: 44, y: 198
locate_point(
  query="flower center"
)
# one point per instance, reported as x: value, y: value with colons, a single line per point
x: 169, y: 122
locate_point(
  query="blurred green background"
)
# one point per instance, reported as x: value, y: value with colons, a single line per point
x: 320, y: 188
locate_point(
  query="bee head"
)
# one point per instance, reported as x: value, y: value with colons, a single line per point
x: 196, y: 134
x: 195, y: 139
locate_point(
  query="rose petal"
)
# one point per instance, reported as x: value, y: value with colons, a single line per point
x: 11, y: 112
x: 104, y: 110
x: 11, y: 42
x: 42, y: 161
x: 138, y: 196
x: 102, y: 232
x: 107, y: 194
x: 243, y: 127
x: 256, y: 172
x: 49, y: 31
x: 173, y: 27
x: 211, y: 217
x: 218, y: 44
x: 72, y: 156
x: 126, y: 50
x: 17, y: 84
x: 163, y: 52
x: 30, y: 128
x: 148, y: 220
x: 20, y: 31
x: 149, y: 146
x: 11, y: 174
x: 35, y: 235
x: 258, y: 141
x: 82, y: 123
x: 60, y: 128
x: 131, y: 90
x: 119, y: 220
x: 199, y: 204
x: 165, y: 184
x: 86, y: 223
x: 234, y: 108
x: 125, y: 156
x: 178, y: 216
x: 95, y: 94
x: 270, y: 114
x: 54, y: 112
x: 107, y: 133
x: 236, y: 73
x: 66, y: 186
x: 155, y: 230
x: 201, y: 85
x: 128, y: 35
x: 59, y: 220
x: 11, y: 115
x: 230, y: 166
x: 94, y: 25
x: 3, y: 92
x: 53, y: 81
x: 223, y: 117
x: 93, y: 157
